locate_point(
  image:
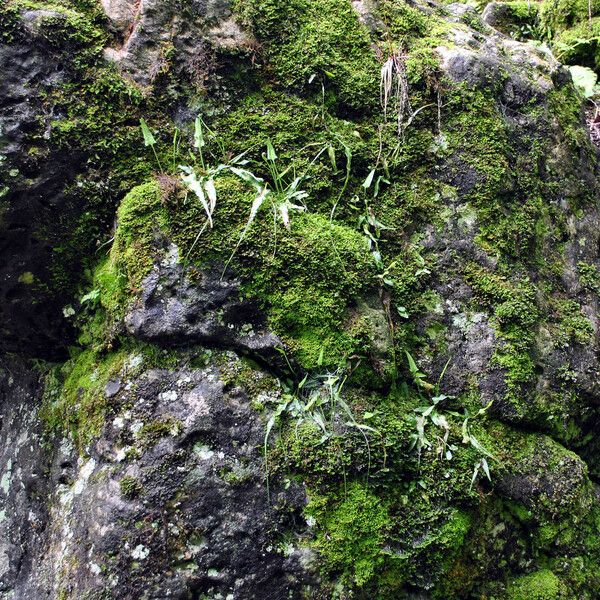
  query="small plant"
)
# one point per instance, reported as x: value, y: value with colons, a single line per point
x: 318, y: 400
x: 92, y: 298
x: 284, y: 196
x: 434, y: 415
x: 393, y: 87
x: 150, y: 140
x: 372, y: 229
x: 564, y: 49
x: 283, y: 192
x: 200, y: 180
x: 585, y: 81
x: 130, y: 487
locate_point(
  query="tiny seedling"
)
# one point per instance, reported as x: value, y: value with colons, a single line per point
x: 317, y: 399
x: 150, y: 140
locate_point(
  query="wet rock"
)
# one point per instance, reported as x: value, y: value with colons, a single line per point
x: 121, y: 13
x: 177, y: 310
x: 200, y: 520
x: 112, y: 388
x: 549, y: 481
x: 169, y: 498
x: 24, y: 480
x: 31, y: 186
x: 149, y: 28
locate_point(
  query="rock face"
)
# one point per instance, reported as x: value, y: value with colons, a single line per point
x: 353, y: 353
x: 35, y: 191
x: 149, y: 28
x: 179, y: 454
x: 174, y: 310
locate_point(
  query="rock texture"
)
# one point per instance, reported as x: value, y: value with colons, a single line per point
x: 175, y: 311
x: 169, y: 502
x: 353, y: 355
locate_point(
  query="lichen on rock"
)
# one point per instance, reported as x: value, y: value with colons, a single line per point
x: 351, y: 353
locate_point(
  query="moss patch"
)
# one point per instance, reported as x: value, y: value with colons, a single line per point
x: 541, y: 585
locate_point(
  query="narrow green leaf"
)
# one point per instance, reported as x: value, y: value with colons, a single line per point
x: 318, y: 419
x: 412, y: 365
x: 248, y: 177
x: 486, y: 468
x: 211, y: 192
x: 149, y: 139
x: 369, y: 180
x: 465, y: 431
x: 331, y: 153
x: 198, y: 133
x: 271, y: 154
x: 476, y: 444
x: 361, y: 426
x: 256, y: 204
x: 474, y: 477
x: 190, y: 179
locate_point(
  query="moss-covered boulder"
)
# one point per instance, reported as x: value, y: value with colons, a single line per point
x: 326, y: 321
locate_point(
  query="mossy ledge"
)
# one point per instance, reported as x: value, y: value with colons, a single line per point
x: 332, y: 309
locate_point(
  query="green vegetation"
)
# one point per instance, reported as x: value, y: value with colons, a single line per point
x: 141, y: 218
x: 318, y: 43
x: 75, y: 401
x: 371, y: 244
x: 558, y: 15
x: 130, y: 487
x: 541, y: 585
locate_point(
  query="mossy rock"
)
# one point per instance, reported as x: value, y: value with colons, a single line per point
x: 316, y: 42
x: 364, y: 538
x: 517, y: 18
x: 541, y: 585
x: 558, y: 15
x: 578, y: 45
x: 141, y: 220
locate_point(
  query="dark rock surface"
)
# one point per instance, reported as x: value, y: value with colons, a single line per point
x: 175, y: 311
x: 32, y: 192
x: 170, y: 501
x: 195, y: 438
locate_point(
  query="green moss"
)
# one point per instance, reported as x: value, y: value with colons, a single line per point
x: 515, y: 315
x: 351, y: 534
x: 76, y: 403
x: 27, y: 278
x: 402, y: 20
x: 578, y: 45
x: 541, y: 585
x: 317, y: 271
x: 573, y: 325
x: 95, y: 113
x: 518, y: 19
x: 9, y: 16
x: 141, y: 218
x: 557, y: 15
x: 374, y: 544
x: 66, y: 29
x: 322, y: 38
x: 531, y: 457
x: 566, y: 108
x: 131, y: 487
x: 589, y: 277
